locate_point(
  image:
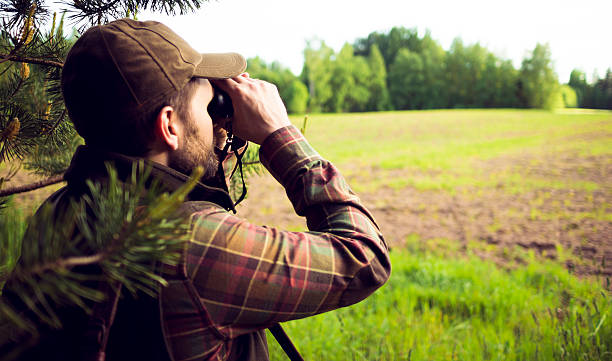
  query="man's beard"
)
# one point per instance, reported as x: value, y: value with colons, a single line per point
x: 194, y: 152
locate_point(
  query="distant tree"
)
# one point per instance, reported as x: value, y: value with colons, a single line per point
x: 434, y: 87
x: 390, y: 44
x: 317, y: 74
x: 342, y: 80
x: 539, y: 81
x: 578, y: 82
x: 507, y: 92
x: 470, y: 85
x: 284, y: 80
x: 490, y: 83
x: 457, y: 75
x: 432, y: 56
x: 379, y: 94
x: 602, y: 92
x: 568, y: 97
x: 478, y: 90
x: 353, y: 83
x: 337, y: 82
x: 463, y: 76
x: 296, y: 97
x: 594, y: 95
x: 407, y: 80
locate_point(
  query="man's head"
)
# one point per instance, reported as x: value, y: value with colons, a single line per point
x: 120, y: 78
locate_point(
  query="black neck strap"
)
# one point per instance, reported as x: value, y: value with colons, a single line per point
x: 234, y: 146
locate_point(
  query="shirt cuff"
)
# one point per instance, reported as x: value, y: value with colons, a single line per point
x: 285, y: 152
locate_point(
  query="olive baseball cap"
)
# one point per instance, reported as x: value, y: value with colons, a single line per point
x: 127, y: 66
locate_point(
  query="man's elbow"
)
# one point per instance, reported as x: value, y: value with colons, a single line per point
x: 368, y: 280
x: 382, y: 271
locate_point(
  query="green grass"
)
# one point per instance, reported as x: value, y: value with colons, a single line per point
x: 438, y: 304
x: 437, y: 307
x: 455, y: 141
x: 12, y: 227
x: 439, y: 136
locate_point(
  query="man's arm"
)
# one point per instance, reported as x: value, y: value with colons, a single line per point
x: 250, y: 277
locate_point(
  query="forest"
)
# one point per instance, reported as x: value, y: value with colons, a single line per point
x: 401, y: 70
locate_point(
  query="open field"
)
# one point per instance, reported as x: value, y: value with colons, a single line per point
x: 459, y: 194
x: 500, y: 224
x: 492, y: 181
x: 437, y: 306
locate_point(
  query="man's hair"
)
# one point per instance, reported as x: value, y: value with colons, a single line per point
x: 133, y: 132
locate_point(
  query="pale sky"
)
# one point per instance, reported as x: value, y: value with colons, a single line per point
x: 579, y: 31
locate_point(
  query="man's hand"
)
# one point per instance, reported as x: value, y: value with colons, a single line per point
x: 258, y: 108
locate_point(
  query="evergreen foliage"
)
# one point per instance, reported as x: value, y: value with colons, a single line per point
x: 12, y: 227
x: 32, y: 114
x: 125, y: 229
x: 597, y: 95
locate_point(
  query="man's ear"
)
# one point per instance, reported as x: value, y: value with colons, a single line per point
x: 167, y: 128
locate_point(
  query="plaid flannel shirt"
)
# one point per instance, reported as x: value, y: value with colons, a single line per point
x: 237, y: 278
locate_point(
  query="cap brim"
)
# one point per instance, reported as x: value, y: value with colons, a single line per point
x: 220, y: 65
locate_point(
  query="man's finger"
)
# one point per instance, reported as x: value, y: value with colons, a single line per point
x: 225, y: 84
x: 243, y: 78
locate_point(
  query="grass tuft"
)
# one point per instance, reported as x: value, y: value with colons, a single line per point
x: 440, y: 308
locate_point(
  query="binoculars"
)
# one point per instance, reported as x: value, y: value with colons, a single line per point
x: 221, y: 108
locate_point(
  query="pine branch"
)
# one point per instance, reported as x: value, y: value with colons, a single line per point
x: 32, y: 186
x: 18, y: 87
x: 63, y: 263
x: 30, y: 60
x: 59, y: 121
x: 256, y: 162
x: 125, y: 229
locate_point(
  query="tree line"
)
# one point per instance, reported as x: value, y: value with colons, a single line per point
x: 401, y: 70
x: 597, y: 95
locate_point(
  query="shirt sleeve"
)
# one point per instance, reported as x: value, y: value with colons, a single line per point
x: 249, y: 277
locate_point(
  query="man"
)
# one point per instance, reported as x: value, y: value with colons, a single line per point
x: 136, y: 90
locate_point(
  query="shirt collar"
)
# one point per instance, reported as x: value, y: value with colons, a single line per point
x: 90, y: 163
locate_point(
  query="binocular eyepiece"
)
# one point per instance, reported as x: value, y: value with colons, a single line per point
x: 220, y: 107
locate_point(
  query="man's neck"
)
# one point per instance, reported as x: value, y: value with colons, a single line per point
x: 158, y: 157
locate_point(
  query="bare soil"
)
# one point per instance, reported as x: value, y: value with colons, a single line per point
x: 493, y: 222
